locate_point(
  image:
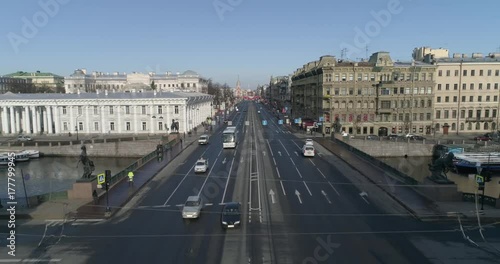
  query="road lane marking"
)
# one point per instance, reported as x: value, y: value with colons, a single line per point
x: 364, y: 195
x: 274, y: 161
x: 219, y: 153
x: 326, y: 196
x: 312, y: 162
x: 293, y: 162
x: 307, y: 188
x: 227, y: 181
x: 179, y: 185
x: 296, y: 153
x: 283, y: 188
x: 271, y: 192
x: 270, y: 149
x: 284, y: 147
x: 321, y: 173
x: 334, y: 188
x: 208, y: 176
x: 298, y: 196
x: 279, y: 153
x: 279, y: 176
x: 298, y: 172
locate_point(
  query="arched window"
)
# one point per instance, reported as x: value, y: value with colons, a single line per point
x: 478, y: 126
x: 415, y: 103
x: 453, y: 126
x: 359, y: 104
x: 493, y: 126
x: 336, y: 104
x: 485, y: 125
x: 422, y: 103
x: 351, y: 105
x: 343, y: 105
x: 429, y: 103
x: 437, y: 127
x: 462, y: 126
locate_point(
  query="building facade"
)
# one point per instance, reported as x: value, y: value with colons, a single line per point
x: 8, y: 84
x: 103, y: 113
x: 467, y: 93
x: 188, y: 81
x: 378, y: 96
x: 40, y: 79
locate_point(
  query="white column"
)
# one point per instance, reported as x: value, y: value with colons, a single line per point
x: 44, y: 120
x: 152, y: 120
x: 12, y: 124
x: 57, y: 120
x: 71, y: 120
x: 119, y: 119
x: 185, y: 121
x: 34, y: 120
x: 103, y: 125
x: 17, y: 120
x: 168, y: 120
x: 5, y: 121
x: 135, y: 112
x: 39, y: 119
x: 26, y: 119
x: 87, y: 123
x: 50, y: 130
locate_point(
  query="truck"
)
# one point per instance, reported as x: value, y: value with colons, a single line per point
x: 229, y: 137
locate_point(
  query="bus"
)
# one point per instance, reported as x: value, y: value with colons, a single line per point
x: 229, y: 138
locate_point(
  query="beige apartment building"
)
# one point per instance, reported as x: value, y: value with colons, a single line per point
x: 377, y: 96
x: 467, y: 93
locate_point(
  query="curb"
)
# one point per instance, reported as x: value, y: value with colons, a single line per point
x: 411, y: 211
x: 113, y: 212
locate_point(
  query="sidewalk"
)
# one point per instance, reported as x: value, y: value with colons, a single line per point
x: 418, y: 205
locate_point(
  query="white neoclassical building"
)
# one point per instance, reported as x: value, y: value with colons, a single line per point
x: 82, y: 82
x: 102, y: 112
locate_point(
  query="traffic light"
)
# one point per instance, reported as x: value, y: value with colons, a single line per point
x: 107, y: 175
x: 159, y: 152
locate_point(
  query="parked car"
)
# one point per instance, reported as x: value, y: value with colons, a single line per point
x: 485, y: 137
x: 192, y: 207
x: 231, y: 215
x: 417, y: 138
x: 372, y: 137
x: 22, y: 138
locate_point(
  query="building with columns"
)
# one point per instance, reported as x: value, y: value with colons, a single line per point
x: 102, y: 112
x: 80, y: 81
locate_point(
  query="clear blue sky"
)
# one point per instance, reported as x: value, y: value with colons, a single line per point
x: 253, y: 38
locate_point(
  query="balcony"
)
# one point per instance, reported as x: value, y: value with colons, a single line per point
x: 479, y: 119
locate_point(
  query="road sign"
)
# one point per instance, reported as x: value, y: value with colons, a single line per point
x: 321, y: 119
x: 479, y: 179
x: 280, y: 122
x: 264, y: 122
x: 296, y: 121
x: 101, y: 178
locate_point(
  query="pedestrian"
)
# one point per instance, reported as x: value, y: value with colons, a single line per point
x: 130, y: 178
x: 95, y: 196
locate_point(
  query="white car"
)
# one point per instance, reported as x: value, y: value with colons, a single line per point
x: 309, y: 142
x: 308, y: 151
x: 21, y: 138
x: 203, y: 140
x: 201, y: 166
x: 192, y: 207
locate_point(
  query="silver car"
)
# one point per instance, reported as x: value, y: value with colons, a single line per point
x: 192, y: 207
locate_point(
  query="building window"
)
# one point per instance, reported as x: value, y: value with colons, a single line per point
x: 440, y: 73
x: 471, y: 98
x: 494, y: 113
x: 455, y: 86
x: 447, y: 86
x: 496, y: 86
x: 127, y: 110
x: 439, y: 99
x: 111, y: 109
x: 464, y: 86
x: 80, y: 110
x: 462, y: 113
x: 176, y: 108
x: 429, y: 103
x: 479, y: 98
x: 446, y: 114
x: 64, y: 111
x: 422, y: 116
x: 143, y: 109
x: 446, y: 99
x: 160, y: 125
x: 359, y: 91
x: 344, y: 77
x: 487, y: 113
x: 429, y: 90
x: 337, y: 77
x: 487, y: 98
x: 447, y: 72
x: 455, y: 99
x: 489, y: 72
x: 497, y: 72
x: 464, y: 73
x: 112, y: 126
x: 428, y: 116
x: 456, y: 72
x: 480, y: 86
x: 480, y: 72
x: 144, y: 127
x: 438, y: 114
x: 96, y: 126
x: 65, y: 126
x: 127, y: 126
x: 454, y: 114
x: 488, y: 86
x: 160, y: 109
x: 439, y: 87
x: 471, y: 113
x: 473, y: 73
x: 351, y: 91
x: 80, y: 126
x: 386, y: 104
x: 495, y: 98
x: 472, y: 86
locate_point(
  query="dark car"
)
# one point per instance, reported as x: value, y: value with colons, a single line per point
x: 416, y: 138
x: 372, y: 137
x: 483, y: 138
x: 396, y: 137
x: 231, y: 215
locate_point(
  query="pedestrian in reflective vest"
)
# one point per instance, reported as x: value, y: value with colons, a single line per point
x: 130, y: 178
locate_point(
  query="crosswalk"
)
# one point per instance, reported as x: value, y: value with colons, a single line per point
x: 73, y: 222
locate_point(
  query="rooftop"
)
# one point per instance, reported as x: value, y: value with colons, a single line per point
x: 101, y: 95
x: 32, y: 74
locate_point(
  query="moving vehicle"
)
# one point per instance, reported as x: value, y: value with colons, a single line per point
x: 192, y: 207
x: 203, y: 140
x: 308, y: 151
x: 309, y: 142
x: 21, y: 138
x: 485, y: 137
x: 231, y: 215
x: 229, y: 137
x: 201, y: 166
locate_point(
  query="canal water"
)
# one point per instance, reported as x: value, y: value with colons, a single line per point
x: 54, y: 174
x: 418, y: 169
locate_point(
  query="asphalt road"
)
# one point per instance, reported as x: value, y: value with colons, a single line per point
x: 295, y: 210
